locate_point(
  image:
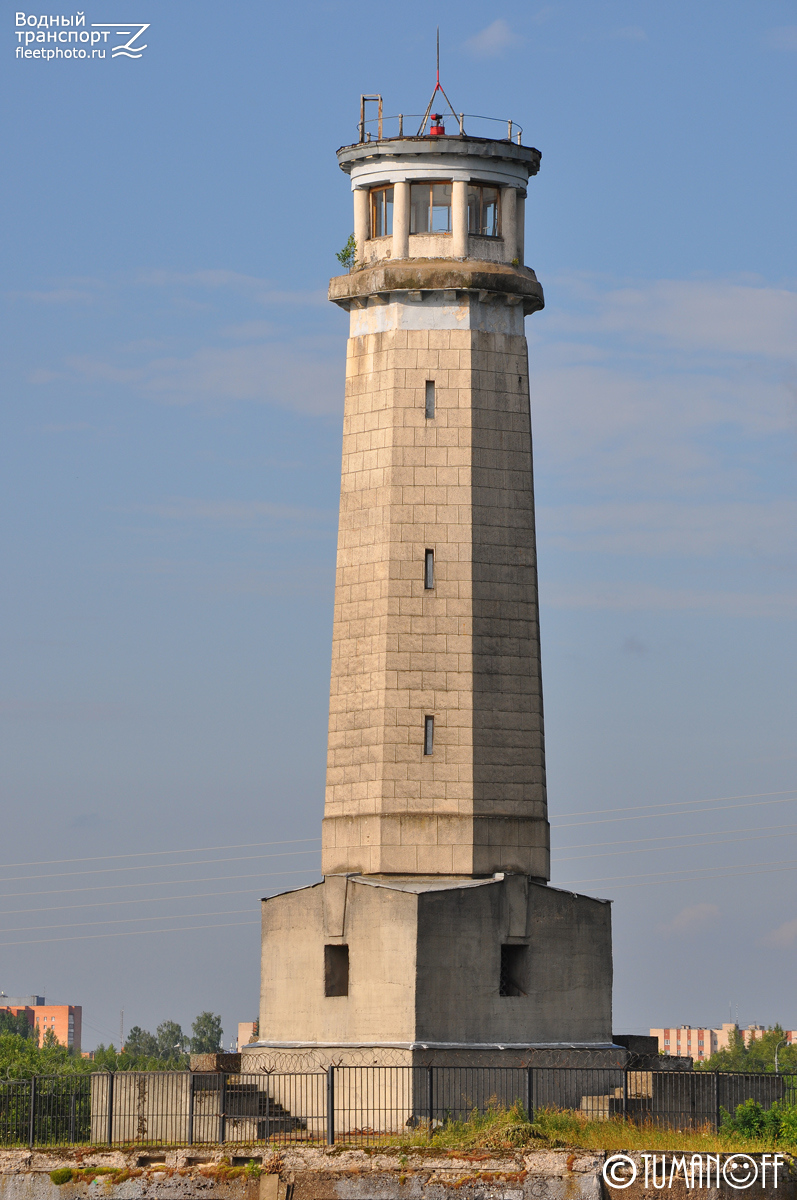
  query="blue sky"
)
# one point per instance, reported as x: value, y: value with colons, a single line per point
x: 171, y: 418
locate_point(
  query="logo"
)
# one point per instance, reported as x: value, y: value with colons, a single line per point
x: 740, y: 1171
x: 619, y: 1171
x: 697, y: 1171
x: 129, y: 29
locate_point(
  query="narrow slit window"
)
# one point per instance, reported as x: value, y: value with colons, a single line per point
x: 428, y: 735
x: 429, y: 399
x: 428, y: 570
x: 336, y: 970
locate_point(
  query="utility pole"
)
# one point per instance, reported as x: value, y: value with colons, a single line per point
x: 121, y: 1030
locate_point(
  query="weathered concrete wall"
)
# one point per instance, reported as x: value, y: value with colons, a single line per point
x: 305, y: 1174
x: 315, y: 1175
x: 568, y: 981
x: 380, y: 930
x: 424, y: 963
x: 465, y: 652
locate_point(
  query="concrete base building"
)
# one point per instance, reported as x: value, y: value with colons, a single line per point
x: 435, y: 928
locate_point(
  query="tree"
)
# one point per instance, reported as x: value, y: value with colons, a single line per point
x: 347, y: 257
x: 16, y: 1023
x: 171, y: 1040
x: 140, y: 1042
x: 757, y: 1056
x: 207, y: 1034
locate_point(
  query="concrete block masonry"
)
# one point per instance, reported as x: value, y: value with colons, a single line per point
x: 317, y: 1174
x: 309, y: 1175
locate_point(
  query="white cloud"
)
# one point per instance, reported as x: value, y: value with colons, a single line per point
x: 231, y: 512
x: 628, y: 33
x: 703, y: 317
x: 61, y: 295
x: 297, y: 376
x: 622, y: 596
x: 260, y: 290
x: 673, y: 528
x: 782, y: 37
x: 493, y: 41
x: 784, y: 936
x: 689, y: 920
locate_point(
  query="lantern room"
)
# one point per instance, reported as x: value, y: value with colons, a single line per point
x: 446, y: 192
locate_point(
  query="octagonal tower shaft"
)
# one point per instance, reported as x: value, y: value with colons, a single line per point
x: 436, y: 759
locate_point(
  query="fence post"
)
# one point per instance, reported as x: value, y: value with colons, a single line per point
x: 430, y: 1096
x: 625, y: 1093
x: 223, y: 1108
x: 530, y: 1092
x: 717, y: 1113
x: 330, y: 1106
x: 109, y: 1115
x: 190, y: 1138
x: 32, y: 1120
x: 73, y: 1112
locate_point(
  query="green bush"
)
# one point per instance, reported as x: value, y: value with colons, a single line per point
x: 62, y: 1175
x: 752, y: 1122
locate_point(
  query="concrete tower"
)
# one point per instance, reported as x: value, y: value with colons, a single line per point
x: 434, y: 924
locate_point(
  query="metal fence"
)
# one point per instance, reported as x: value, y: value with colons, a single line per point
x: 355, y: 1104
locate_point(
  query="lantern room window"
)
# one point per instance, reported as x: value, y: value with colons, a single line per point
x: 483, y: 210
x: 430, y: 208
x: 381, y: 212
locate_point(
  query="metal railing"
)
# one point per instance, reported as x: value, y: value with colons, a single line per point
x: 355, y: 1104
x: 464, y: 125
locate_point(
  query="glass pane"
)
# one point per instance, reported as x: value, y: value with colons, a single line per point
x: 474, y: 195
x: 490, y: 211
x: 419, y: 208
x: 377, y: 213
x: 441, y: 208
x: 388, y: 194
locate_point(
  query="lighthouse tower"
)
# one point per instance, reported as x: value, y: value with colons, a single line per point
x: 435, y: 926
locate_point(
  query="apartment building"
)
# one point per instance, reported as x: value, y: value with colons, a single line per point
x: 701, y: 1042
x: 65, y: 1020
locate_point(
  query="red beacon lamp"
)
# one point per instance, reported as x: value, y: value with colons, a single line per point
x: 437, y: 127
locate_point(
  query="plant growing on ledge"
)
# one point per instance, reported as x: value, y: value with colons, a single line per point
x: 347, y: 257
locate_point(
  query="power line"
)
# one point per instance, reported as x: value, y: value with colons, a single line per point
x: 80, y: 937
x: 783, y: 864
x: 51, y: 862
x: 197, y: 862
x: 9, y: 912
x: 670, y: 837
x: 684, y: 812
x: 734, y: 874
x: 683, y: 846
x: 109, y: 887
x: 672, y: 803
x: 235, y: 912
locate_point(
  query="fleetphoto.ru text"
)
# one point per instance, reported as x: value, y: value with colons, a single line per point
x: 662, y: 1172
x: 48, y: 38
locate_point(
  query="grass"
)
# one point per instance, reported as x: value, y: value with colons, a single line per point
x: 499, y: 1129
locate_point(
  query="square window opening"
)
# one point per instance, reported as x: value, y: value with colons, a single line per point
x: 428, y: 570
x: 429, y: 399
x: 514, y: 971
x: 430, y: 208
x: 336, y: 970
x: 428, y: 735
